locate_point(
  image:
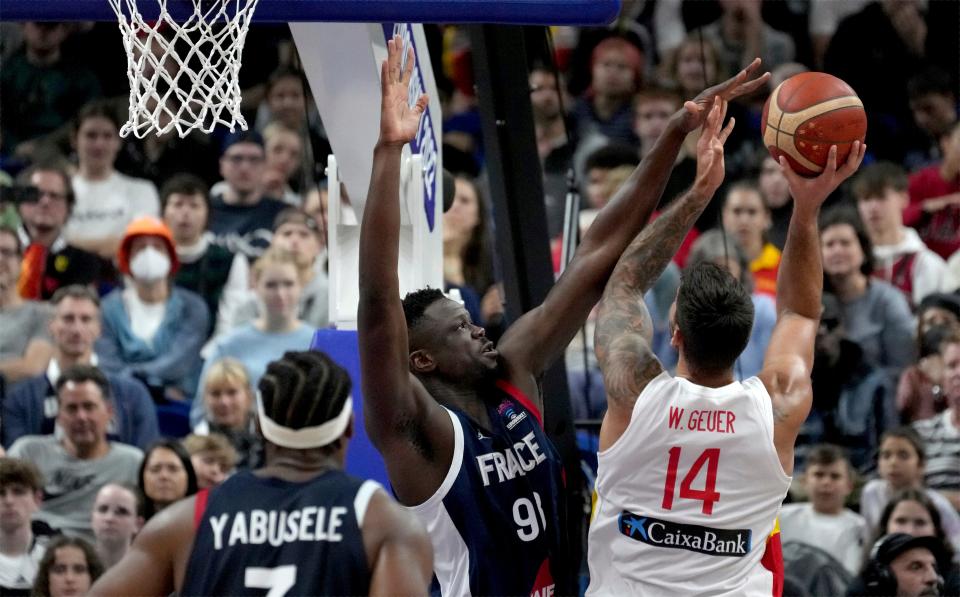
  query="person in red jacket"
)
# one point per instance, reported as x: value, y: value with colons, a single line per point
x: 934, y: 208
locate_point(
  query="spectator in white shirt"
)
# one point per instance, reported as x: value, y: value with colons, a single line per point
x: 900, y: 257
x: 901, y: 464
x: 106, y: 200
x: 824, y: 522
x: 941, y: 434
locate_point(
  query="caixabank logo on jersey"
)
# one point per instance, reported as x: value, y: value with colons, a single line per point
x: 663, y: 533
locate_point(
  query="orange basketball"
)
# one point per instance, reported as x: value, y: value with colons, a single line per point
x: 808, y: 113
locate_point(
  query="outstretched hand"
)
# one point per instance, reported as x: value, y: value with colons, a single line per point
x: 812, y: 192
x: 710, y: 162
x: 695, y: 111
x: 398, y: 120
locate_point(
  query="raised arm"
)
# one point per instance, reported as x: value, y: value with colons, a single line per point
x: 540, y: 336
x: 624, y: 329
x: 396, y: 405
x: 789, y: 359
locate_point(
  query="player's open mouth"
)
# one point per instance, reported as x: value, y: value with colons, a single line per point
x: 489, y: 349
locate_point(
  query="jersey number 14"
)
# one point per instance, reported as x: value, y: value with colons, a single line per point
x: 708, y: 495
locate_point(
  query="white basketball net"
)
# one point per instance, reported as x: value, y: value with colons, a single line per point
x: 184, y: 75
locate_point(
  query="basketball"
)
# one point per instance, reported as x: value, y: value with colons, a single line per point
x: 808, y: 113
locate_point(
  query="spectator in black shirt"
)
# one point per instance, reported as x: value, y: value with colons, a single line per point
x: 204, y: 266
x: 241, y: 216
x: 41, y: 89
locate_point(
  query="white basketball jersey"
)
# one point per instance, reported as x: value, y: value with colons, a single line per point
x: 688, y: 496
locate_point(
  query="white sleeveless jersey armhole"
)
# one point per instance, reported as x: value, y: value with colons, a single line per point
x: 649, y: 392
x: 453, y: 570
x: 362, y: 499
x: 764, y: 402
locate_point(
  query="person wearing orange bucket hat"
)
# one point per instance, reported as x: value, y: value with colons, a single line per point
x: 153, y: 330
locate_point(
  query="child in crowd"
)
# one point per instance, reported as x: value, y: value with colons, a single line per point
x: 900, y: 464
x: 22, y: 541
x: 912, y: 512
x: 69, y: 567
x: 824, y: 522
x: 213, y: 458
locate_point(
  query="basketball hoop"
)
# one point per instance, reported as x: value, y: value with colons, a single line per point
x: 183, y: 72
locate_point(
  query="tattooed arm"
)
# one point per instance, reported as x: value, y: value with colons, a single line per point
x: 622, y: 338
x: 789, y: 359
x: 538, y: 338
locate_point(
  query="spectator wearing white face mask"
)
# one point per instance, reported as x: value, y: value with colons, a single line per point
x: 152, y: 329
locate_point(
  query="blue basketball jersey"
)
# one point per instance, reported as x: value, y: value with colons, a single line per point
x: 260, y: 535
x: 495, y: 520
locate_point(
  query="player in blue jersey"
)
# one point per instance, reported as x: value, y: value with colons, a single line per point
x: 459, y: 421
x: 298, y: 526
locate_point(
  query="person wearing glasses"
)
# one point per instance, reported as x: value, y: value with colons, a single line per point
x: 25, y: 345
x: 45, y: 202
x: 241, y: 215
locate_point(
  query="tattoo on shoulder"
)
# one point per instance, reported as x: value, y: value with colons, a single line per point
x: 622, y: 315
x: 650, y: 252
x: 627, y: 369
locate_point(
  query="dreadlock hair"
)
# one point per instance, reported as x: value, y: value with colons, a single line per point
x: 415, y: 304
x: 304, y: 389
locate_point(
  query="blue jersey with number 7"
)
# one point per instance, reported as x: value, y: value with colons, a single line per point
x: 266, y: 536
x: 495, y: 520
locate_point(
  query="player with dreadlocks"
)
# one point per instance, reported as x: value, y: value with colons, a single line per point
x: 300, y: 525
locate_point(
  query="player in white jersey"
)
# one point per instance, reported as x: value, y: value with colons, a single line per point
x: 693, y: 468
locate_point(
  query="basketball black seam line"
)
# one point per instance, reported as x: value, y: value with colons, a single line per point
x: 795, y: 136
x: 794, y: 92
x: 821, y: 114
x: 782, y: 111
x: 777, y: 127
x: 809, y: 140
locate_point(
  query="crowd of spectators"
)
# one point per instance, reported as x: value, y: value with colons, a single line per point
x: 146, y: 283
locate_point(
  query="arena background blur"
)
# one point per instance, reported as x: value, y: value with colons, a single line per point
x: 582, y: 107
